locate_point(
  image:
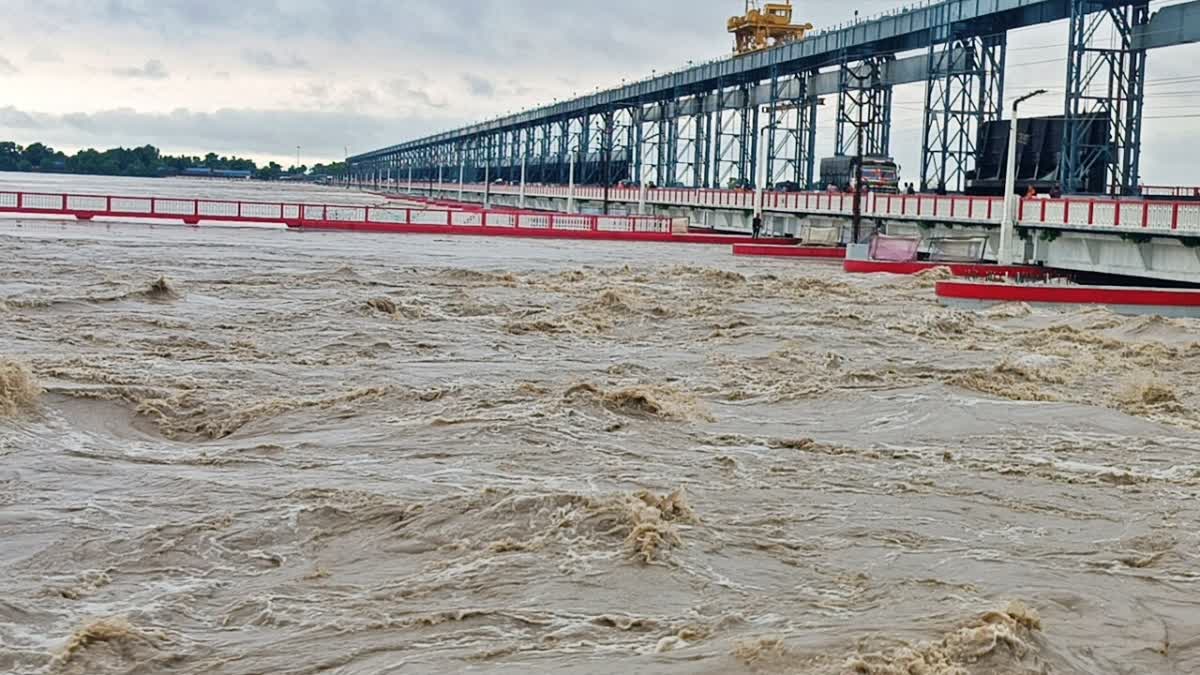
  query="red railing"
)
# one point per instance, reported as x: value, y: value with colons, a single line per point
x: 1164, y: 216
x: 1179, y: 191
x: 295, y: 214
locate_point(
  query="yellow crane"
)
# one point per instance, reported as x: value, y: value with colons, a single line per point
x: 760, y: 28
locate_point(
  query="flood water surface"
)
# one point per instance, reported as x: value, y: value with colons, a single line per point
x: 247, y: 451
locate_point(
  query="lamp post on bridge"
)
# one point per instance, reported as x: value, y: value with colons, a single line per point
x: 856, y: 218
x: 521, y: 194
x: 462, y: 168
x: 571, y: 181
x: 1008, y: 224
x: 642, y: 189
x: 487, y: 184
x: 760, y: 178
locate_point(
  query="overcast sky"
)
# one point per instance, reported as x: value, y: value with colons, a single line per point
x: 259, y: 77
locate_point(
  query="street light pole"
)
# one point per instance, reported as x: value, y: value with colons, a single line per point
x: 642, y: 188
x: 856, y: 219
x: 1008, y: 223
x: 521, y: 196
x: 760, y: 178
x: 571, y: 182
x: 487, y: 184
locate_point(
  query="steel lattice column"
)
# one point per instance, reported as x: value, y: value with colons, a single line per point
x: 864, y: 100
x: 562, y: 138
x: 652, y: 144
x: 623, y: 139
x: 1106, y: 81
x: 671, y: 153
x: 736, y: 140
x: 687, y: 162
x: 791, y: 126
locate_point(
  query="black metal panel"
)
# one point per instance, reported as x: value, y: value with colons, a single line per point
x: 1039, y: 155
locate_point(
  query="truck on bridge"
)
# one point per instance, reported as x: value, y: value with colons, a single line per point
x: 879, y: 174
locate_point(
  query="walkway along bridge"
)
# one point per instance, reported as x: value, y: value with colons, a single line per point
x: 1158, y: 239
x: 718, y: 122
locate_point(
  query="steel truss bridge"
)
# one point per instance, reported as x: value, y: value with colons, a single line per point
x: 713, y: 124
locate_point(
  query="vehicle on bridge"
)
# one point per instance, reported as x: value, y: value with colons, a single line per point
x: 879, y: 174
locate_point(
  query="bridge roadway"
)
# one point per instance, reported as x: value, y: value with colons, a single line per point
x: 1131, y: 236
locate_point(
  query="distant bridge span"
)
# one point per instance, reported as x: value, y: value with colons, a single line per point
x: 717, y: 122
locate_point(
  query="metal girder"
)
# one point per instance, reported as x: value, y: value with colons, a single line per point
x: 736, y: 140
x: 791, y: 130
x: 895, y: 32
x: 562, y: 138
x: 864, y: 106
x: 622, y: 144
x: 688, y: 159
x: 965, y: 89
x: 1106, y: 78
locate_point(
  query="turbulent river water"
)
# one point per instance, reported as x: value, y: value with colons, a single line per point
x: 243, y: 451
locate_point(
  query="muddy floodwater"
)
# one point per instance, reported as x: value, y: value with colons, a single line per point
x: 243, y: 451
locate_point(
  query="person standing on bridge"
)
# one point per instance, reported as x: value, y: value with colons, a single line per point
x: 756, y: 225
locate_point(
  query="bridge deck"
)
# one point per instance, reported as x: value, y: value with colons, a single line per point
x: 1133, y: 216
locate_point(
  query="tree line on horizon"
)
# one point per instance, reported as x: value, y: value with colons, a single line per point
x: 146, y: 161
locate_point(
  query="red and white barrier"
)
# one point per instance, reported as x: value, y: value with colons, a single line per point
x: 192, y: 211
x: 441, y: 219
x: 1169, y: 218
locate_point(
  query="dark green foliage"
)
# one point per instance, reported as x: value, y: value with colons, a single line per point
x: 145, y: 161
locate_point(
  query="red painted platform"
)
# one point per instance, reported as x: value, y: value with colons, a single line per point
x: 957, y: 269
x: 770, y: 250
x: 1069, y: 295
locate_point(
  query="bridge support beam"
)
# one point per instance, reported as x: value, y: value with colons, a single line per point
x: 965, y: 89
x: 736, y: 141
x: 1106, y: 79
x: 791, y: 130
x: 864, y: 106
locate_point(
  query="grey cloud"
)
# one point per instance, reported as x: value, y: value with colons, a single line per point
x: 44, y: 54
x: 7, y: 67
x: 361, y: 96
x: 314, y: 90
x: 261, y: 58
x: 403, y: 90
x: 153, y: 70
x: 522, y: 53
x: 12, y: 118
x: 478, y: 86
x: 240, y: 131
